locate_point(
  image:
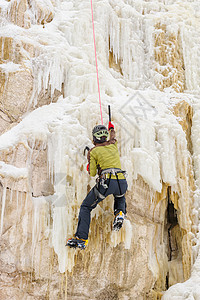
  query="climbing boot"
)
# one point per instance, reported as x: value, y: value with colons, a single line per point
x: 118, y: 221
x: 77, y: 243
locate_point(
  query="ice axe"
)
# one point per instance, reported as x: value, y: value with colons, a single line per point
x: 109, y: 113
x: 86, y: 149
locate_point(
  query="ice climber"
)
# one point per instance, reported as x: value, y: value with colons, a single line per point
x: 104, y: 159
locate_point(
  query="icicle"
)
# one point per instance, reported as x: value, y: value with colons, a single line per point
x: 128, y: 234
x: 11, y: 195
x: 17, y: 200
x: 2, y: 47
x: 3, y: 207
x: 38, y: 209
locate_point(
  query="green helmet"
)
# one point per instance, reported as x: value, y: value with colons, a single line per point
x: 100, y: 134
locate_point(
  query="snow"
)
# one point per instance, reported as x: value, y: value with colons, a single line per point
x: 3, y: 4
x: 10, y: 67
x: 152, y: 143
x: 190, y: 289
x: 7, y: 170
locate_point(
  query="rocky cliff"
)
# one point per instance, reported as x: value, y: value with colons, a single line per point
x: 148, y: 58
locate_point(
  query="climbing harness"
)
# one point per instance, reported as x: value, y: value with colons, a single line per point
x: 115, y: 172
x: 95, y: 52
x: 103, y: 177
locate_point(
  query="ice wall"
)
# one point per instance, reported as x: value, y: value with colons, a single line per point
x: 61, y: 128
x: 147, y: 54
x: 156, y: 51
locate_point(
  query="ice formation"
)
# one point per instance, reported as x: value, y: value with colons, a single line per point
x: 56, y: 47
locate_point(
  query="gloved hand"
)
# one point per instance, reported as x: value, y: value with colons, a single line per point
x: 110, y: 126
x: 88, y: 168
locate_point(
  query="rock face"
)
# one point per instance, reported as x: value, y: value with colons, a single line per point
x: 48, y: 106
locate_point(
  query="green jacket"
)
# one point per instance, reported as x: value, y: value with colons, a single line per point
x: 104, y: 156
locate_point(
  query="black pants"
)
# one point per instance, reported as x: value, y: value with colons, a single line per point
x: 91, y: 201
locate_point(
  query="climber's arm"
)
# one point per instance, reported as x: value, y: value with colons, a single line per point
x: 112, y: 134
x: 111, y: 131
x: 92, y: 165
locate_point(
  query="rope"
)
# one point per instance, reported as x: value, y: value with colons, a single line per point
x: 96, y: 64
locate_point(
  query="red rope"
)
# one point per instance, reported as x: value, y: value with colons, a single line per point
x: 96, y: 63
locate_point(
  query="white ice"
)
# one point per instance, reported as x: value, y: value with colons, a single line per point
x: 152, y: 143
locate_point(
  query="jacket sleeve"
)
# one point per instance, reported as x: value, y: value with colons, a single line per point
x: 112, y: 135
x: 92, y: 163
